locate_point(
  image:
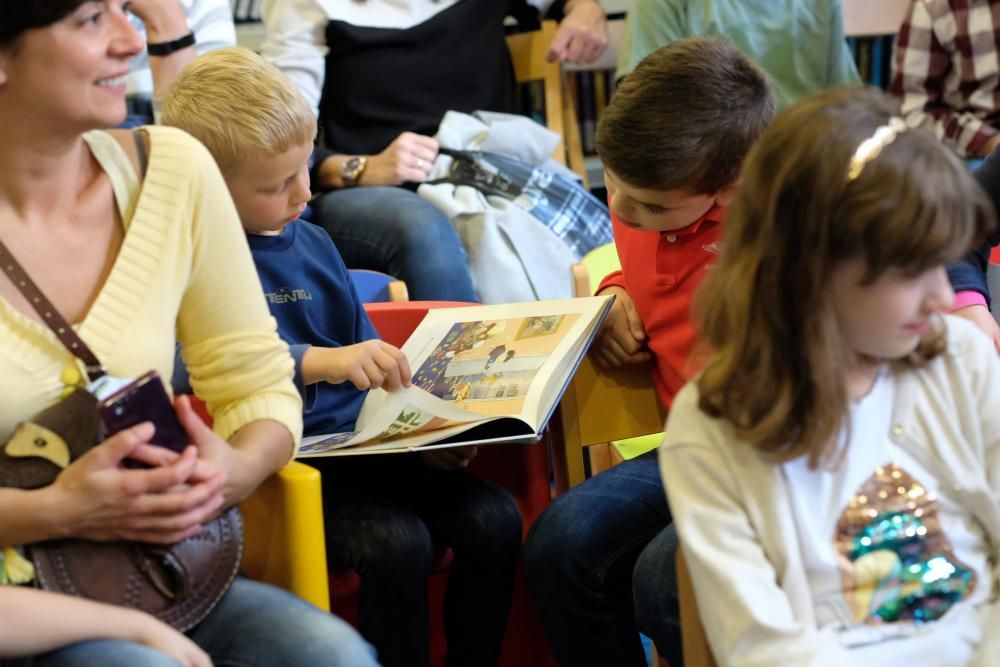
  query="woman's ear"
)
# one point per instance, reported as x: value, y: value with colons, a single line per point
x: 726, y: 195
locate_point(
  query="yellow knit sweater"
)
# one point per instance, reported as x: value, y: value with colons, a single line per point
x: 184, y: 273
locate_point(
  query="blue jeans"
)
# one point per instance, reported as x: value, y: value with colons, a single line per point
x: 579, y: 560
x: 398, y: 232
x: 254, y: 624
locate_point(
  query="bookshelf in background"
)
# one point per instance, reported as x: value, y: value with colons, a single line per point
x: 592, y: 86
x: 873, y: 56
x: 245, y: 11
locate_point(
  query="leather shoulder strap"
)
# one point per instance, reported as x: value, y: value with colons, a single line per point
x: 141, y: 138
x: 55, y: 321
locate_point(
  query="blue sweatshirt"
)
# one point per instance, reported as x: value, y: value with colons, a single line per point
x: 970, y: 273
x: 310, y: 293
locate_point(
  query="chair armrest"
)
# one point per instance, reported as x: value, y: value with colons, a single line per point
x: 284, y: 540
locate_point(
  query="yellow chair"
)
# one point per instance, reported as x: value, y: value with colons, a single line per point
x: 283, y: 533
x: 590, y: 271
x: 602, y: 406
x: 587, y: 276
x: 599, y: 407
x: 528, y: 51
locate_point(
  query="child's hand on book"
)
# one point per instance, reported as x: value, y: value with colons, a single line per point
x: 449, y: 459
x: 622, y: 337
x: 368, y: 365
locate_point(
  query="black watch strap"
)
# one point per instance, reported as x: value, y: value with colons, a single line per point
x: 166, y: 48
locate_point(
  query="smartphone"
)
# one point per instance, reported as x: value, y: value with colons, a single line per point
x: 144, y: 400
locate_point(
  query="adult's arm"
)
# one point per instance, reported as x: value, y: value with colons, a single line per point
x: 969, y: 275
x: 649, y: 24
x: 238, y: 365
x: 37, y: 621
x: 295, y: 43
x: 924, y: 61
x: 211, y: 22
x: 582, y: 34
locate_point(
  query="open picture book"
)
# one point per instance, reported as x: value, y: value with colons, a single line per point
x: 481, y: 374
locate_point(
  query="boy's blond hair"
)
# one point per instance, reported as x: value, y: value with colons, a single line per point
x: 239, y: 106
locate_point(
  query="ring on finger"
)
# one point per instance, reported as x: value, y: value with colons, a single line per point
x: 421, y: 165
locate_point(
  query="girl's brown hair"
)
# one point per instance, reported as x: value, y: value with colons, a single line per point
x: 775, y: 361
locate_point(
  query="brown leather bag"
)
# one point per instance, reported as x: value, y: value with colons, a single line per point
x: 178, y: 583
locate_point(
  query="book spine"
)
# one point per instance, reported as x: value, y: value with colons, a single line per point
x: 588, y: 111
x: 864, y: 59
x: 878, y: 60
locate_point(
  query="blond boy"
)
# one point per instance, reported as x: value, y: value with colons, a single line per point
x: 382, y: 514
x: 260, y: 131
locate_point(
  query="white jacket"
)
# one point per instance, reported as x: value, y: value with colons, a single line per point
x: 733, y: 512
x: 512, y: 255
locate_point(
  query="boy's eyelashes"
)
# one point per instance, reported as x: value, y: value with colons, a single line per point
x: 653, y: 209
x: 276, y: 189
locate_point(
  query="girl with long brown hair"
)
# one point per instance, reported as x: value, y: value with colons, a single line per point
x: 831, y: 471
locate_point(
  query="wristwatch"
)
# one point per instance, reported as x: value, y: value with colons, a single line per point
x: 351, y: 170
x: 166, y: 48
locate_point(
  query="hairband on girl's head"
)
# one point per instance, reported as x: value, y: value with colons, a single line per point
x: 871, y: 147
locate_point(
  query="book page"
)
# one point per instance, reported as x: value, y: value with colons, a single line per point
x: 472, y: 366
x: 497, y: 360
x: 389, y: 416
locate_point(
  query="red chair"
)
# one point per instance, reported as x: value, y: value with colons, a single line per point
x: 522, y: 470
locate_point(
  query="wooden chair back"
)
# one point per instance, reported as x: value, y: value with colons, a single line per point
x: 601, y: 406
x: 528, y: 52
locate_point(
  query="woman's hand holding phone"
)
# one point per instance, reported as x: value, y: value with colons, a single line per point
x: 100, y: 499
x: 216, y: 456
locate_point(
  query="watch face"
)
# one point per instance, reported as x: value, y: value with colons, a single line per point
x: 351, y: 171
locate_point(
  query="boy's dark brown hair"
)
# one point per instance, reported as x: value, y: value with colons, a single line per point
x: 685, y: 117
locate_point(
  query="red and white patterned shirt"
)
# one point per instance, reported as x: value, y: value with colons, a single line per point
x: 946, y: 70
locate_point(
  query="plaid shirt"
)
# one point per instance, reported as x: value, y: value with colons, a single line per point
x: 946, y: 70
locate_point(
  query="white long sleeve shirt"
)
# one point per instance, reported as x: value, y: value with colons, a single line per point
x: 211, y: 21
x: 737, y: 523
x: 296, y: 38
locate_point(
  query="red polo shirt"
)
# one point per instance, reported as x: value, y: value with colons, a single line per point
x: 661, y: 271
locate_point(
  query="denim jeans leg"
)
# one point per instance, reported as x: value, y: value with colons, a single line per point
x: 103, y: 652
x: 396, y: 231
x: 654, y: 586
x: 579, y: 559
x: 481, y: 523
x: 391, y: 550
x: 257, y: 624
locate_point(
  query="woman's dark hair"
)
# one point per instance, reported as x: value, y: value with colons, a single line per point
x: 19, y: 16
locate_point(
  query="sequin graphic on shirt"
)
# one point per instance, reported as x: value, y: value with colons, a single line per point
x: 895, y: 561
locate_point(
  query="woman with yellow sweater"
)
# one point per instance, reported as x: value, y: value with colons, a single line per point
x: 134, y: 265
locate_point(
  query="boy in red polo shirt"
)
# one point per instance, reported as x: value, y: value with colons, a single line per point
x: 600, y: 559
x: 672, y: 142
